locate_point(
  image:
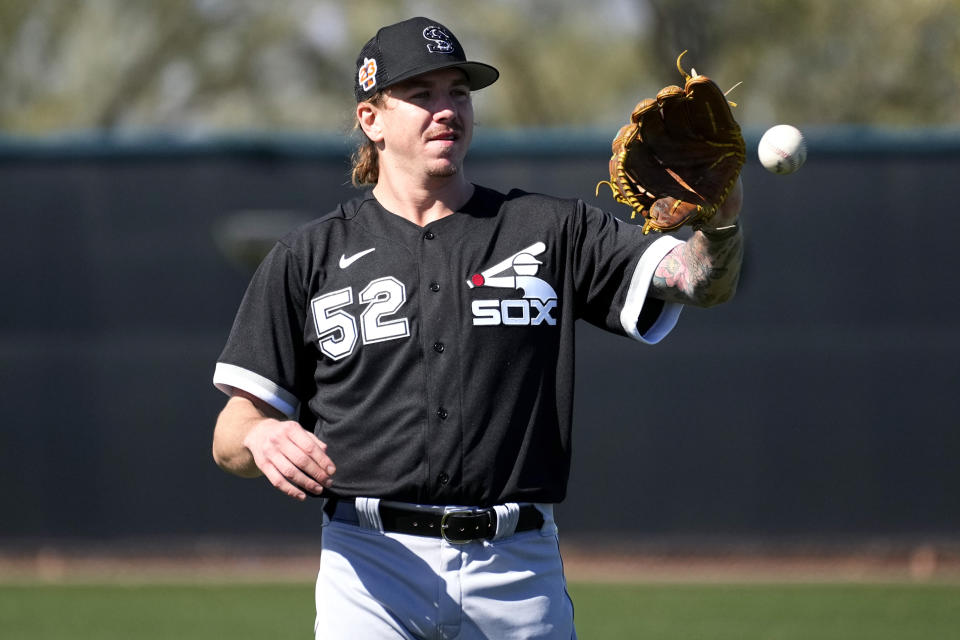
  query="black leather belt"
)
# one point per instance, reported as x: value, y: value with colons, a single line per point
x: 457, y: 526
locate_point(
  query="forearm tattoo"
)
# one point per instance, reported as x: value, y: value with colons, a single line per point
x: 700, y: 272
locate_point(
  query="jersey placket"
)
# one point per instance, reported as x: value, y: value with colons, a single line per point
x: 438, y: 322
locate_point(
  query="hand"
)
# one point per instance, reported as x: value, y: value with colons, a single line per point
x: 729, y: 211
x: 704, y: 271
x: 292, y: 458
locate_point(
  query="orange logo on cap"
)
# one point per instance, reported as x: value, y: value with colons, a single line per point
x: 368, y: 74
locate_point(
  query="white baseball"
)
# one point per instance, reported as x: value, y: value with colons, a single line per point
x: 782, y: 149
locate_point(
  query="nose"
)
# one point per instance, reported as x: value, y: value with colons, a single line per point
x: 444, y: 109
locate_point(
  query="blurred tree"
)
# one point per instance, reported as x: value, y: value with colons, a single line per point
x: 212, y: 65
x: 882, y: 62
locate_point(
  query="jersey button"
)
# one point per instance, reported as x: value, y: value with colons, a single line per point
x: 443, y: 478
x: 442, y: 413
x: 434, y: 286
x: 438, y: 347
x: 429, y: 235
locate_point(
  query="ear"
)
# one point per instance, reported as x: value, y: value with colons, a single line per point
x: 368, y: 116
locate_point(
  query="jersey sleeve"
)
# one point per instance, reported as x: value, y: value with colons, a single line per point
x: 264, y: 352
x: 613, y: 265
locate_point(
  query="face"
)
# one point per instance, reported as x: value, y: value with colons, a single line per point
x: 425, y: 124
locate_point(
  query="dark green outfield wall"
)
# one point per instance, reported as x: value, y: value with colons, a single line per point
x: 822, y: 402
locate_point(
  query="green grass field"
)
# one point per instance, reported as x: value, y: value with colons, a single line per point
x: 34, y: 611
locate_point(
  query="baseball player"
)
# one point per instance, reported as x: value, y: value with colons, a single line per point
x: 408, y: 358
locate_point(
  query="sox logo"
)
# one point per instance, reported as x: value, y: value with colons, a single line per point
x: 535, y: 305
x: 440, y: 40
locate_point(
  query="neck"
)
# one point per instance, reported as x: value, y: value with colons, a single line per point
x: 426, y: 202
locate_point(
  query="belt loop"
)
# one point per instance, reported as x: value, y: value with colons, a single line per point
x: 368, y: 513
x: 507, y: 517
x: 326, y: 510
x: 549, y: 524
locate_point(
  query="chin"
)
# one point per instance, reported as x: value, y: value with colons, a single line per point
x: 443, y: 171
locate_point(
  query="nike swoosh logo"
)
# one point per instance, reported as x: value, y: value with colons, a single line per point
x: 346, y: 262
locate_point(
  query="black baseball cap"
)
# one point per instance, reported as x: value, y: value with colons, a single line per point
x: 406, y: 49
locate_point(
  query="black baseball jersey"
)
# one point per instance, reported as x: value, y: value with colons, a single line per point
x: 436, y: 362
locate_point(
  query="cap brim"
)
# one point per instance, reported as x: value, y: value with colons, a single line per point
x: 479, y: 75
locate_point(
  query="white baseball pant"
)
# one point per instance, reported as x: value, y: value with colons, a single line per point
x: 374, y: 585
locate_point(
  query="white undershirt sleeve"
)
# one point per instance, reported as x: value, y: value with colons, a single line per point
x: 637, y: 295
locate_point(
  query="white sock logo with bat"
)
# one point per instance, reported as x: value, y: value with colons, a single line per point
x: 517, y: 272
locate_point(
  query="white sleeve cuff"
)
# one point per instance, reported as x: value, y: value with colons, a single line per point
x: 227, y: 377
x: 637, y: 295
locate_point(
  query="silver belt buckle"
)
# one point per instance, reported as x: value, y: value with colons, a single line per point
x: 469, y: 532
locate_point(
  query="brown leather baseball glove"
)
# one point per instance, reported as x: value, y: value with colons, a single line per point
x: 679, y: 156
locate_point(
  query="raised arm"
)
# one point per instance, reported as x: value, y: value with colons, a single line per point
x: 704, y: 271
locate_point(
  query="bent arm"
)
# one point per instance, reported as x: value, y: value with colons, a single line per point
x: 251, y: 438
x: 239, y: 417
x: 704, y: 270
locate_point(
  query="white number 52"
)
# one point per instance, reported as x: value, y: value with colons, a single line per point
x: 337, y: 329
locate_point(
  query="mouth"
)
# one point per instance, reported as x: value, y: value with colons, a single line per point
x: 444, y: 136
